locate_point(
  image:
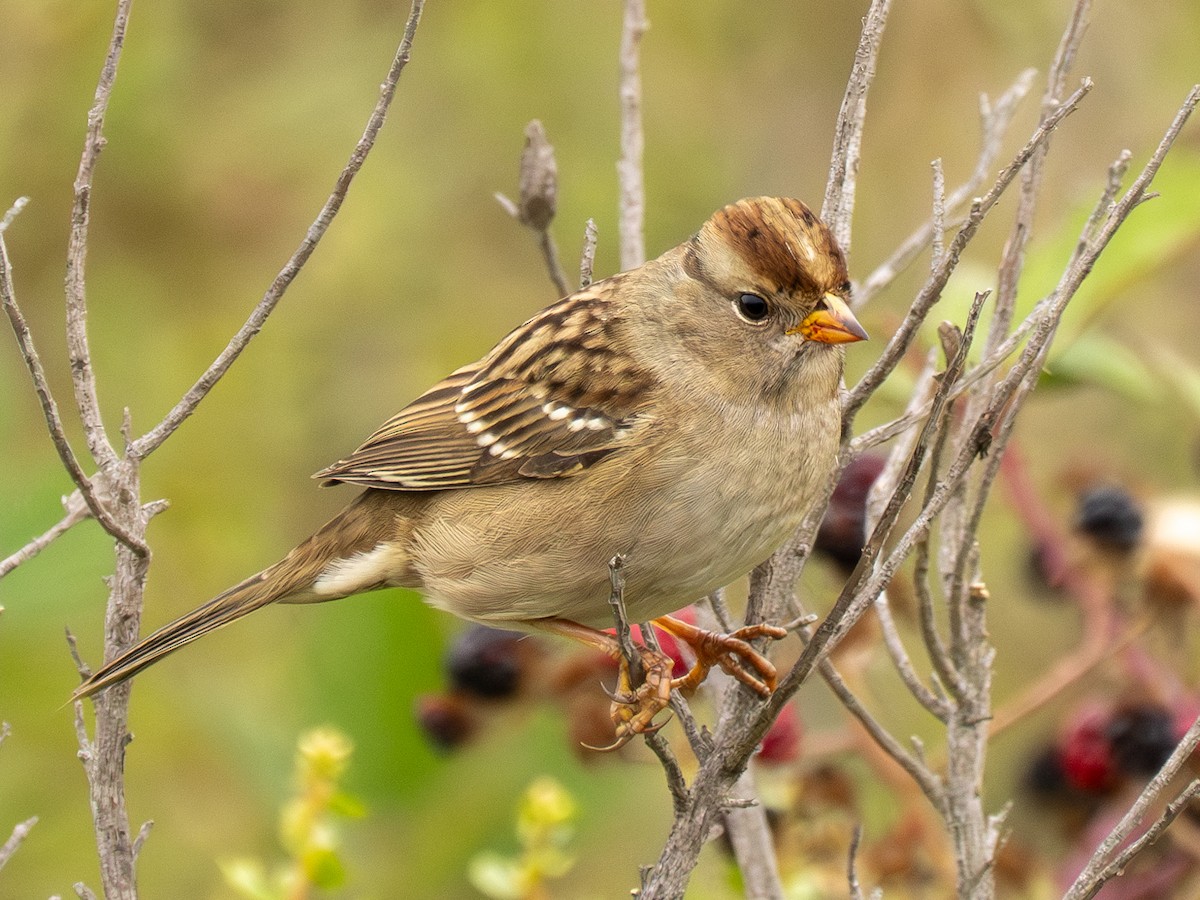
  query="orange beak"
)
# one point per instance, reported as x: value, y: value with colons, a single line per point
x: 831, y: 323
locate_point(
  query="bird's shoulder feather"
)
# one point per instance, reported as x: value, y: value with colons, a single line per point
x: 557, y: 395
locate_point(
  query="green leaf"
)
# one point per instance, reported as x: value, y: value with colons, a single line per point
x: 1181, y: 374
x: 1097, y: 359
x: 1157, y: 231
x: 1161, y: 229
x: 347, y: 806
x: 324, y: 868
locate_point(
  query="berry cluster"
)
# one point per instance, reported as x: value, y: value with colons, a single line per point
x: 1102, y: 748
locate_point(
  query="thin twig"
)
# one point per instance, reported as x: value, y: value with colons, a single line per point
x: 938, y: 217
x: 538, y: 191
x: 1087, y: 883
x: 935, y: 704
x: 1152, y: 834
x: 630, y: 176
x: 553, y: 266
x: 54, y: 423
x: 143, y: 833
x: 852, y: 862
x: 83, y: 378
x: 77, y: 511
x: 19, y: 833
x: 697, y: 736
x: 720, y: 609
x: 994, y: 119
x: 880, y: 491
x: 616, y: 601
x: 150, y: 441
x: 587, y: 258
x: 929, y: 782
x: 81, y: 735
x: 931, y: 292
x: 939, y: 655
x: 838, y: 209
x: 1013, y: 261
x: 676, y: 783
x: 13, y: 211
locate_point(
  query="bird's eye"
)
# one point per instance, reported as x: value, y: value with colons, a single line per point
x: 752, y: 307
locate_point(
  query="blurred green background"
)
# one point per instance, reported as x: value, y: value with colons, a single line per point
x: 228, y: 126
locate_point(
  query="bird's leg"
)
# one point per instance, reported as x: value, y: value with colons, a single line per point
x: 634, y: 707
x: 732, y: 652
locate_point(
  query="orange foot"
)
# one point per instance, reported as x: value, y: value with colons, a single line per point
x: 634, y: 708
x: 732, y: 652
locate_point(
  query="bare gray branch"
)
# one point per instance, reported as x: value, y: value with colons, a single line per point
x: 150, y: 441
x: 630, y: 177
x: 838, y: 208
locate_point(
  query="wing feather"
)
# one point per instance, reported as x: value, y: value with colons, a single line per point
x: 557, y: 395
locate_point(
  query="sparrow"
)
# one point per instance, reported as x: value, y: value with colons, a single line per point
x: 680, y: 417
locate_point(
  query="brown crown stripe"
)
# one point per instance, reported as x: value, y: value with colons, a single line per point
x: 765, y: 233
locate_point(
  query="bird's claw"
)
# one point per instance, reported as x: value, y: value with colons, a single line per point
x: 633, y: 709
x: 735, y: 656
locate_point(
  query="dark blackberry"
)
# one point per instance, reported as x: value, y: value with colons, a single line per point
x: 1044, y: 776
x: 1111, y: 517
x: 1141, y: 737
x: 843, y: 531
x: 485, y: 662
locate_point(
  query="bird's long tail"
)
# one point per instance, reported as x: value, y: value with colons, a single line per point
x: 364, y: 525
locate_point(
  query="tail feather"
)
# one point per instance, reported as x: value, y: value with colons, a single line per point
x: 367, y: 522
x: 253, y: 593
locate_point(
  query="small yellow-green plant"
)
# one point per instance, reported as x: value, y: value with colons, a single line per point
x: 308, y: 826
x: 545, y: 827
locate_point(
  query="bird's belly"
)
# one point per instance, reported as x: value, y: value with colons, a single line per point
x: 703, y: 523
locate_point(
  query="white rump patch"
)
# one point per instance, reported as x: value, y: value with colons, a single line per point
x: 361, y: 572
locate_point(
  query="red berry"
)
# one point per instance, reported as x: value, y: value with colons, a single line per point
x: 781, y: 743
x: 1085, y: 753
